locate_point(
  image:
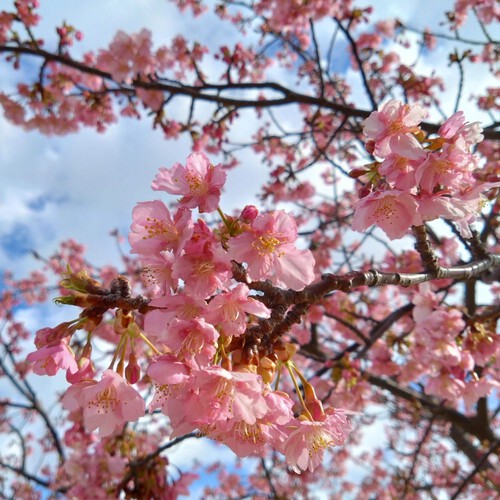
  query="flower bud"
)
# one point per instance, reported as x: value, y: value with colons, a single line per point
x: 313, y: 404
x: 133, y: 370
x: 365, y: 190
x: 249, y: 213
x: 370, y: 146
x: 266, y: 369
x: 227, y: 364
x: 288, y: 353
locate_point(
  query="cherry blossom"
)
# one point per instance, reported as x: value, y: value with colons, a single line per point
x: 106, y: 404
x: 199, y: 182
x: 394, y: 211
x: 268, y: 249
x: 48, y: 359
x: 154, y: 229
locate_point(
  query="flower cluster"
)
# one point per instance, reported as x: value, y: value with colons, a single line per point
x: 419, y: 179
x: 215, y: 365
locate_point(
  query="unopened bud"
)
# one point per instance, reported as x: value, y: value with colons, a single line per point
x: 249, y: 213
x: 288, y: 353
x: 370, y: 146
x: 365, y: 190
x: 227, y: 364
x: 266, y: 369
x: 313, y: 404
x: 122, y: 322
x: 133, y: 370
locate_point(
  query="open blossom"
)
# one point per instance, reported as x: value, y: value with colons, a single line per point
x: 393, y: 211
x: 170, y: 375
x: 170, y: 309
x: 224, y: 395
x: 203, y: 269
x: 192, y: 341
x: 268, y: 248
x: 157, y: 273
x: 393, y: 119
x: 106, y: 404
x: 199, y: 182
x: 153, y: 229
x: 462, y: 208
x: 49, y: 359
x: 452, y: 167
x: 400, y: 165
x: 305, y: 446
x: 456, y: 126
x: 228, y: 311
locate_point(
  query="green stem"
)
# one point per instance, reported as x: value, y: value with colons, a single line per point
x: 149, y: 343
x: 289, y: 367
x: 117, y: 350
x: 224, y: 219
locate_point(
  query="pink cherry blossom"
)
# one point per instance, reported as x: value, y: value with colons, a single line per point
x: 203, y: 270
x: 305, y: 446
x: 199, y: 182
x: 476, y: 389
x: 269, y: 250
x: 154, y: 230
x: 157, y: 273
x: 228, y: 311
x: 456, y: 126
x: 106, y: 404
x: 171, y: 309
x: 451, y: 167
x: 400, y: 165
x: 193, y: 341
x: 48, y: 360
x: 393, y: 211
x: 224, y: 395
x: 170, y: 376
x: 393, y: 119
x: 445, y: 386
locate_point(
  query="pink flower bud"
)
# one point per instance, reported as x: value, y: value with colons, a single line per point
x: 249, y: 213
x: 133, y: 370
x: 370, y: 146
x: 365, y: 190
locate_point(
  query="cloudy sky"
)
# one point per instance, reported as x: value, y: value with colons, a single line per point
x: 83, y: 186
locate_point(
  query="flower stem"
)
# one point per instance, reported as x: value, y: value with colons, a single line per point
x: 289, y: 367
x: 117, y: 351
x: 149, y: 343
x: 224, y: 219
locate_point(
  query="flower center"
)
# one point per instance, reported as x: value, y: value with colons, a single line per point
x: 157, y: 227
x: 385, y: 209
x: 196, y: 185
x: 266, y: 244
x: 105, y: 401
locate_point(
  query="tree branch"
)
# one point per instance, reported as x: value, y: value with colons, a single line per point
x: 202, y: 92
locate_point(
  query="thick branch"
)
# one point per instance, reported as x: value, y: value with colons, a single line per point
x: 373, y: 278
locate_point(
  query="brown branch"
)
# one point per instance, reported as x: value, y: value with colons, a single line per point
x: 25, y: 474
x: 471, y: 425
x: 476, y: 469
x: 374, y: 278
x: 202, y: 92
